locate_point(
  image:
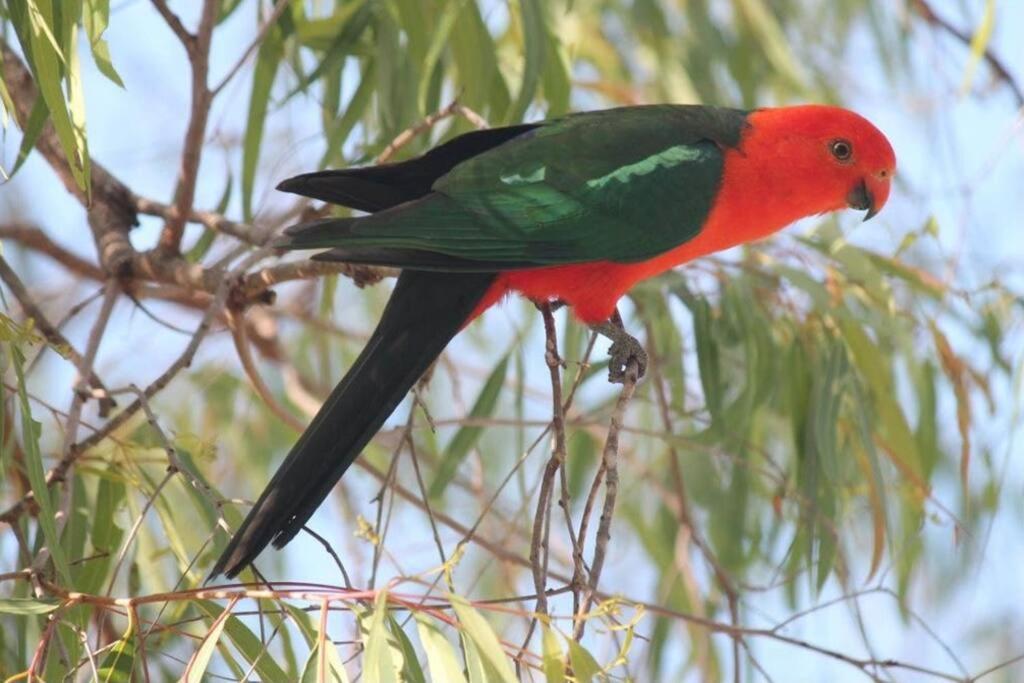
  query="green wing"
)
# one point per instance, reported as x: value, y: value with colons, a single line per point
x: 622, y: 184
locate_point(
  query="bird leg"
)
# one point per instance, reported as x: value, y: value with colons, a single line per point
x: 624, y: 348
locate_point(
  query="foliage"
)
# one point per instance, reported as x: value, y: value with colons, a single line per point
x: 813, y: 408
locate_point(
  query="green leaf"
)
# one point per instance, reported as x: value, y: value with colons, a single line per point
x: 438, y: 43
x: 707, y: 362
x: 897, y: 439
x: 119, y: 662
x: 867, y: 460
x: 227, y: 8
x: 6, y: 103
x: 338, y: 132
x: 96, y: 16
x: 322, y: 34
x: 247, y: 643
x: 324, y: 669
x: 342, y: 41
x: 378, y: 665
x: 27, y: 606
x: 106, y: 535
x: 201, y: 659
x: 482, y: 83
x: 411, y: 670
x: 45, y: 56
x: 762, y: 22
x: 554, y: 659
x: 34, y: 470
x: 37, y: 118
x: 584, y: 666
x: 979, y: 43
x: 476, y: 668
x: 441, y: 660
x: 534, y: 47
x: 467, y: 436
x: 476, y: 628
x: 267, y: 61
x: 557, y: 77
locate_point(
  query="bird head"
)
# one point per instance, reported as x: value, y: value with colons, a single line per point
x: 827, y: 158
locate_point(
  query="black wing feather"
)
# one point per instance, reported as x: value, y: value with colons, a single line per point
x: 374, y: 188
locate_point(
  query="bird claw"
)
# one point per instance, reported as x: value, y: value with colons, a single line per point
x: 622, y: 351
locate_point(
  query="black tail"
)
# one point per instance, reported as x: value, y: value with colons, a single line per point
x: 425, y: 311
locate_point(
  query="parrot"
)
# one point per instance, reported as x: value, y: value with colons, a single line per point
x: 574, y: 210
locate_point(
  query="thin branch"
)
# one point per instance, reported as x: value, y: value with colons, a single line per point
x: 92, y: 346
x: 54, y: 335
x: 58, y: 472
x: 35, y: 239
x: 110, y: 212
x: 187, y: 39
x: 265, y: 27
x: 924, y: 9
x: 174, y: 463
x: 236, y: 323
x: 538, y: 544
x: 208, y: 219
x: 199, y: 56
x: 431, y: 120
x: 609, y: 458
x: 263, y: 279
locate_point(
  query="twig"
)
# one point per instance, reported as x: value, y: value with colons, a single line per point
x: 538, y: 547
x: 35, y: 239
x: 92, y: 346
x: 208, y: 219
x: 88, y: 360
x: 174, y: 463
x: 199, y: 56
x: 330, y: 551
x: 58, y: 472
x: 265, y: 27
x: 236, y: 323
x: 187, y: 39
x: 924, y: 9
x: 265, y: 278
x: 431, y: 120
x: 54, y: 335
x: 130, y: 538
x: 609, y: 458
x: 414, y: 456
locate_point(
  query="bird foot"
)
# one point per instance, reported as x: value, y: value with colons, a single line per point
x: 624, y: 348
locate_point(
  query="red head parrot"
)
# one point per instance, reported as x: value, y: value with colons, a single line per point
x: 575, y: 209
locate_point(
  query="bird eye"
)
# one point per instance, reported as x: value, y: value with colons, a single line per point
x: 842, y: 150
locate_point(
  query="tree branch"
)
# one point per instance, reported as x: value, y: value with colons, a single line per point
x: 609, y: 461
x: 58, y: 472
x: 199, y: 56
x: 924, y: 9
x: 53, y: 335
x: 111, y: 212
x: 208, y: 219
x: 265, y: 27
x: 187, y: 39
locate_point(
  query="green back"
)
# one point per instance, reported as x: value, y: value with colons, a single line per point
x: 621, y: 184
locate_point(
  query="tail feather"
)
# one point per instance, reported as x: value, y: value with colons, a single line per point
x: 425, y: 311
x: 374, y: 188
